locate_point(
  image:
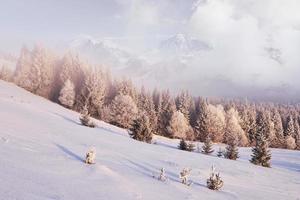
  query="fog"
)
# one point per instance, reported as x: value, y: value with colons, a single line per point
x: 255, y: 44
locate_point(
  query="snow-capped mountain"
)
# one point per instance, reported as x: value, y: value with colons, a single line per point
x: 101, y: 51
x: 183, y: 44
x: 170, y: 57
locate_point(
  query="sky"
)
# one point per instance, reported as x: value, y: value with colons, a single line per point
x: 256, y: 43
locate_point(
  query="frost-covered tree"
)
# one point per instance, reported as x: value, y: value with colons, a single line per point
x: 123, y: 111
x: 22, y: 68
x: 40, y: 75
x: 207, y: 146
x: 140, y: 129
x: 260, y: 152
x: 191, y: 147
x: 167, y: 109
x: 67, y: 94
x: 233, y: 128
x: 90, y: 156
x: 184, y: 176
x: 179, y: 126
x: 72, y: 68
x: 201, y: 123
x: 93, y: 91
x: 290, y: 128
x: 278, y: 129
x: 183, y: 103
x: 162, y: 175
x: 145, y: 104
x: 214, y: 182
x: 216, y: 122
x: 6, y: 73
x: 85, y: 118
x: 125, y: 87
x: 290, y: 142
x: 231, y: 150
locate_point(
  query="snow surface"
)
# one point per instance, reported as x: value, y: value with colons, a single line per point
x: 42, y: 147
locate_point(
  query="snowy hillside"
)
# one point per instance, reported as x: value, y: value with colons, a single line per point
x: 42, y: 146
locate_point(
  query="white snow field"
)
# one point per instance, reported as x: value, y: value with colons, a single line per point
x: 42, y: 147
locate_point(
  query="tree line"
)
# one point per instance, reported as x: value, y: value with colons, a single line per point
x: 73, y: 83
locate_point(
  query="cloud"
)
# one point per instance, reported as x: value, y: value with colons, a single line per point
x: 249, y: 37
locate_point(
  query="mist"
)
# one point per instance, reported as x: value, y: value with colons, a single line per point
x: 253, y: 45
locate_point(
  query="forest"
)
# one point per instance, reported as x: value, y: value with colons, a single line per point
x: 75, y: 84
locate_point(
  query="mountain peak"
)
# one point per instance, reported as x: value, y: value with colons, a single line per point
x: 183, y: 43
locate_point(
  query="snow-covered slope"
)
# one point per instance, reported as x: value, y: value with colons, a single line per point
x: 42, y: 146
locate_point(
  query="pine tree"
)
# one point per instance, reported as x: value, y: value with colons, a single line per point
x: 123, y: 111
x: 233, y: 128
x: 67, y: 94
x: 6, y: 73
x: 93, y: 91
x: 90, y: 156
x: 40, y: 74
x: 183, y: 103
x: 207, y: 146
x: 183, y: 145
x: 220, y: 153
x: 260, y: 153
x: 191, y: 147
x: 22, y: 68
x: 278, y: 128
x: 184, y: 176
x: 167, y: 108
x: 145, y: 104
x: 162, y: 175
x: 85, y: 118
x: 216, y: 122
x: 214, y: 182
x: 289, y: 133
x: 231, y: 151
x: 141, y: 130
x: 201, y: 123
x: 179, y: 126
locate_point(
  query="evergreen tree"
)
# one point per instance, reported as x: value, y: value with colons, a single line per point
x: 183, y: 145
x: 216, y: 122
x: 289, y: 133
x: 67, y: 94
x: 145, y: 104
x: 140, y: 129
x: 184, y: 176
x: 214, y: 182
x: 260, y: 153
x: 179, y: 126
x: 85, y: 118
x: 191, y: 147
x: 207, y: 146
x: 22, y: 68
x: 233, y: 128
x: 6, y: 73
x: 231, y: 151
x: 167, y: 109
x: 220, y: 153
x: 123, y: 111
x: 93, y: 91
x: 183, y: 103
x: 201, y: 124
x: 290, y: 129
x: 278, y: 128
